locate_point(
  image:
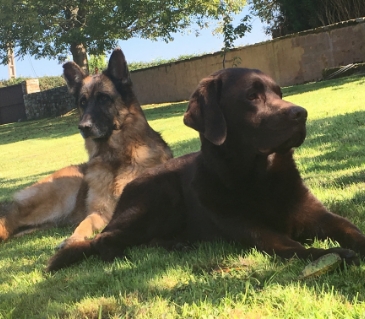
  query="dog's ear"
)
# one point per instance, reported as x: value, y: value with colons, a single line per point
x: 204, y: 114
x: 117, y: 67
x: 73, y: 75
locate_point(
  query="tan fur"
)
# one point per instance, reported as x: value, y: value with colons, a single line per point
x: 86, y: 194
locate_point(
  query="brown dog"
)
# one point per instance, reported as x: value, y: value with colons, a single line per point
x: 242, y: 186
x: 120, y: 144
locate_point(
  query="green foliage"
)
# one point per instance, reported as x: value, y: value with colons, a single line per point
x: 133, y: 66
x: 97, y: 63
x: 215, y: 280
x: 231, y: 33
x: 287, y: 16
x: 5, y: 83
x: 50, y: 82
x: 52, y: 28
x: 45, y: 82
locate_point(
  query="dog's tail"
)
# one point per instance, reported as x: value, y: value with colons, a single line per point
x: 71, y: 254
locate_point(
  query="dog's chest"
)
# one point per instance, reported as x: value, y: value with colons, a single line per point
x: 108, y: 180
x: 266, y: 198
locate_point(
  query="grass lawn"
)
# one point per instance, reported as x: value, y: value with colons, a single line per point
x: 216, y: 280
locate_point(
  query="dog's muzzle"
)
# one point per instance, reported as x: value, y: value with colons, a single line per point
x: 85, y: 127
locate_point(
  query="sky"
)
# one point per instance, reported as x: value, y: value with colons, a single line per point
x: 143, y: 50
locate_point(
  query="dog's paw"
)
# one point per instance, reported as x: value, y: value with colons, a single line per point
x: 69, y: 241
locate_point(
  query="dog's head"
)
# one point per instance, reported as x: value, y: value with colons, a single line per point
x: 101, y: 98
x: 245, y: 106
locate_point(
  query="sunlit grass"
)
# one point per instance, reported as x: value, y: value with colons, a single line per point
x: 217, y: 280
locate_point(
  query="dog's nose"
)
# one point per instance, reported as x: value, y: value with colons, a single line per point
x: 298, y: 113
x: 85, y: 126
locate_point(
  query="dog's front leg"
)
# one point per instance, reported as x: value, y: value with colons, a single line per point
x: 285, y: 247
x: 91, y: 224
x: 100, y: 205
x: 142, y: 215
x: 322, y: 224
x: 340, y: 229
x: 278, y: 243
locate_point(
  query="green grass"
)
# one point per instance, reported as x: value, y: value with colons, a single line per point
x: 216, y: 280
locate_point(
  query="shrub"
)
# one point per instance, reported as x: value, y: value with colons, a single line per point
x: 5, y: 83
x: 50, y: 82
x: 45, y: 82
x: 133, y: 66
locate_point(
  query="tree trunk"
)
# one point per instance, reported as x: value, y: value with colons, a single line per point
x: 79, y: 56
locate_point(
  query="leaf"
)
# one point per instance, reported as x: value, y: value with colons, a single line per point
x: 321, y: 265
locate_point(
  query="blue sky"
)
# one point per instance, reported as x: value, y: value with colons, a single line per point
x: 142, y: 50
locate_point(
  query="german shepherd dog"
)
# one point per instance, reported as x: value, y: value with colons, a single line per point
x: 242, y: 186
x: 120, y: 144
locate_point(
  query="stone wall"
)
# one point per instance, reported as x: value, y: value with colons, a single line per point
x: 48, y: 103
x: 293, y: 59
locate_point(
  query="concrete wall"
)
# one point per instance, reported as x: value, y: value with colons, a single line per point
x: 292, y: 59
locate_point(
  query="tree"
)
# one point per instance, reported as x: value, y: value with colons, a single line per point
x: 332, y: 11
x: 52, y: 28
x: 232, y: 33
x: 97, y: 63
x: 287, y: 16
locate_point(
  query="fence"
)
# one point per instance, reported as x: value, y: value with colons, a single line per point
x: 26, y: 102
x: 12, y: 107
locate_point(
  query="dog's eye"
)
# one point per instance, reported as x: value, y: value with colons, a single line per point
x: 83, y: 102
x: 252, y: 96
x: 103, y: 98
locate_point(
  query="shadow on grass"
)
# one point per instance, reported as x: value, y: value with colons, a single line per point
x: 67, y: 125
x: 164, y: 111
x: 185, y: 147
x: 339, y: 138
x: 20, y: 182
x: 352, y: 208
x: 43, y: 129
x: 314, y: 86
x: 340, y: 143
x: 142, y: 278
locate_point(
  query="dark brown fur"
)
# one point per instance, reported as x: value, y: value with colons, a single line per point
x: 120, y: 144
x: 243, y: 185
